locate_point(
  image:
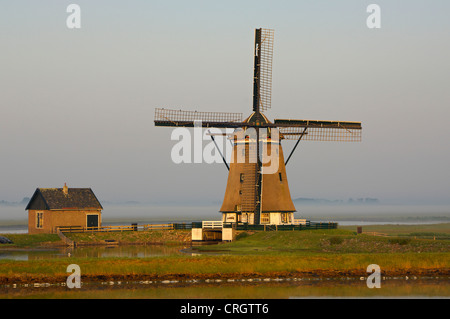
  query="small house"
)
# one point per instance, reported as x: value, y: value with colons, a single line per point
x: 50, y: 208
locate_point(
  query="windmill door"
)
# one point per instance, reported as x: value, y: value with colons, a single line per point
x: 92, y: 220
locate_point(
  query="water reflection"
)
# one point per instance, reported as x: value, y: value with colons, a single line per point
x: 131, y: 251
x: 306, y: 288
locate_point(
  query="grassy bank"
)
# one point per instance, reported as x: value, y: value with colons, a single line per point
x: 134, y: 237
x: 438, y: 231
x: 126, y: 237
x: 337, y: 241
x: 31, y: 241
x: 222, y: 267
x: 270, y: 239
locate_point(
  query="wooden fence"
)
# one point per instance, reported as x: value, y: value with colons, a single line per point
x: 269, y: 227
x: 122, y: 228
x: 374, y: 233
x: 205, y: 225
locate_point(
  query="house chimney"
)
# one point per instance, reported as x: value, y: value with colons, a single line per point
x: 65, y: 189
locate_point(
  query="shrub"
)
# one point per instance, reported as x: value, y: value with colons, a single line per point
x: 242, y: 235
x: 400, y: 241
x: 335, y: 240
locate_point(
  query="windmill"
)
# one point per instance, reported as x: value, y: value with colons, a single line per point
x: 253, y: 196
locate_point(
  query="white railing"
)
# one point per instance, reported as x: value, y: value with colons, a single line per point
x: 212, y: 224
x: 298, y: 221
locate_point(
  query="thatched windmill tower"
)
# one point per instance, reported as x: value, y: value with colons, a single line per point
x: 257, y: 190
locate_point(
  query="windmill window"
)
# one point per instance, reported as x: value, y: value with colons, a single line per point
x: 242, y: 177
x: 285, y: 218
x: 265, y: 218
x: 280, y: 177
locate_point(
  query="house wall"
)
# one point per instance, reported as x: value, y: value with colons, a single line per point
x: 54, y: 218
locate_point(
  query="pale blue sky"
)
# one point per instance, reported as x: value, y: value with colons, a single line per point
x: 77, y: 106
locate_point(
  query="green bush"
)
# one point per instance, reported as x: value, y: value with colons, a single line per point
x: 242, y: 235
x: 400, y: 241
x: 336, y: 240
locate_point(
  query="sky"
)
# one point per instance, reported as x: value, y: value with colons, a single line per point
x: 77, y: 105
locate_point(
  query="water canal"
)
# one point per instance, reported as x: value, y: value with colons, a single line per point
x: 240, y: 289
x: 130, y: 251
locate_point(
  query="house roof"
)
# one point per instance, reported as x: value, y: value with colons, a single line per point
x: 56, y: 198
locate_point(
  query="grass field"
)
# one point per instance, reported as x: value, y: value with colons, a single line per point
x: 440, y: 231
x: 132, y: 237
x: 339, y: 241
x: 30, y: 241
x: 126, y: 237
x: 195, y: 267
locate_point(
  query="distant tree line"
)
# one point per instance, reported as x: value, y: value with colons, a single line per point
x: 24, y: 201
x: 351, y: 201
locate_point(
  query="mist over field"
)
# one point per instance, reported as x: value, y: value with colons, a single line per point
x: 125, y: 214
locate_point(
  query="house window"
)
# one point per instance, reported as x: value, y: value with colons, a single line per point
x: 39, y: 219
x: 265, y: 218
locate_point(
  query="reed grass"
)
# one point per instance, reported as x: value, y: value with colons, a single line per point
x: 221, y: 265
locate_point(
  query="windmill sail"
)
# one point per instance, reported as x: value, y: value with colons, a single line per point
x: 167, y: 117
x: 253, y: 195
x: 262, y: 81
x: 320, y: 130
x: 266, y: 57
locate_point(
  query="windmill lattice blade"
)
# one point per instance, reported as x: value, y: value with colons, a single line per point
x: 320, y: 130
x: 321, y: 134
x: 266, y: 57
x: 167, y: 117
